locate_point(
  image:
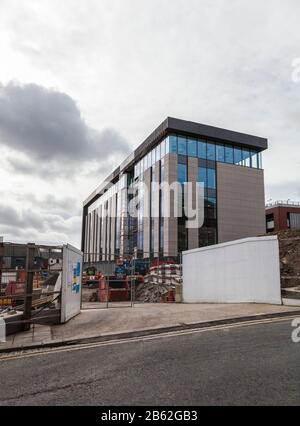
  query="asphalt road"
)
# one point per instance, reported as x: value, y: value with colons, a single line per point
x: 253, y: 365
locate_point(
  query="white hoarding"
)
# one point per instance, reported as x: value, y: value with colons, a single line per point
x: 243, y: 271
x: 71, y: 283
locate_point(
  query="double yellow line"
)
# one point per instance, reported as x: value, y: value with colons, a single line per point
x: 80, y: 347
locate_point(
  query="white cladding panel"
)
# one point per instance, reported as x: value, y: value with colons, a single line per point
x: 243, y: 271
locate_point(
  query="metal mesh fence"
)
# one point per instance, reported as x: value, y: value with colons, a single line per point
x: 30, y: 283
x: 127, y: 281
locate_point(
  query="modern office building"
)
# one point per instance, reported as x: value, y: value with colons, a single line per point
x: 229, y: 165
x: 283, y: 215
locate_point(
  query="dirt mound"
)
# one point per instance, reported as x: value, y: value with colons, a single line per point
x: 289, y: 242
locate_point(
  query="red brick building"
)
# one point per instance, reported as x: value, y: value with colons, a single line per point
x: 283, y: 215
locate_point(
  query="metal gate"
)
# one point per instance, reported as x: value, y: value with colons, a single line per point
x: 130, y: 280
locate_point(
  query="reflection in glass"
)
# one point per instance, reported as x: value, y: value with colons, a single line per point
x: 246, y: 158
x: 192, y: 148
x: 220, y: 153
x: 211, y: 151
x: 182, y: 173
x: 229, y: 154
x: 202, y: 176
x: 238, y: 156
x: 211, y: 179
x: 182, y: 150
x: 202, y: 153
x: 173, y: 144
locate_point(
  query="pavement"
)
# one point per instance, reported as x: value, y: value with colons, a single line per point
x: 232, y: 365
x: 121, y: 321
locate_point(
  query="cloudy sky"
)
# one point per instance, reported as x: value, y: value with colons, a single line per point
x: 82, y: 82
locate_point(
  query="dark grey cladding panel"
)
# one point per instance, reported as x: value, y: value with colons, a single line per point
x: 155, y: 137
x: 218, y: 134
x: 198, y: 130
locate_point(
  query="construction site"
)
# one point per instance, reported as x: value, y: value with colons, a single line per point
x: 143, y: 281
x: 289, y: 243
x: 122, y: 279
x: 34, y: 284
x: 132, y: 281
x: 51, y: 284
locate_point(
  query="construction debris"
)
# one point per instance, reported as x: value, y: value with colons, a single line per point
x: 162, y: 285
x: 289, y: 243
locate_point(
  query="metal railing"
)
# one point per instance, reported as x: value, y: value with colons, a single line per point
x: 287, y: 203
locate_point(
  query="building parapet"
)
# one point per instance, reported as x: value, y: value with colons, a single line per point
x: 287, y: 203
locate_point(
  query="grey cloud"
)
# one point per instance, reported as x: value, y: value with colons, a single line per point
x: 63, y: 203
x: 24, y: 167
x: 20, y: 219
x: 46, y: 125
x: 52, y: 203
x: 26, y: 221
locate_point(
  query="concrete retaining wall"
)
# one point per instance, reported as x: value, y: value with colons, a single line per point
x: 243, y: 271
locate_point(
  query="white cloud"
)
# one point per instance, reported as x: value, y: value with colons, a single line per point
x: 129, y: 64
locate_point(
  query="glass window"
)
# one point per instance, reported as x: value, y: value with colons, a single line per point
x: 212, y: 236
x: 182, y: 150
x: 182, y: 235
x: 153, y: 157
x: 220, y: 153
x: 192, y: 148
x: 162, y: 170
x: 149, y: 160
x: 229, y: 154
x: 152, y: 236
x: 167, y: 145
x: 211, y: 151
x: 211, y: 202
x: 145, y: 163
x: 173, y: 144
x: 260, y: 161
x: 246, y: 158
x: 202, y: 175
x: 163, y: 149
x: 254, y: 159
x: 157, y: 153
x: 203, y: 237
x: 238, y: 156
x: 182, y: 173
x: 202, y: 150
x: 211, y: 212
x: 211, y: 179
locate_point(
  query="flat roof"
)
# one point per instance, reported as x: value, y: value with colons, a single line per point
x: 188, y: 128
x: 285, y: 204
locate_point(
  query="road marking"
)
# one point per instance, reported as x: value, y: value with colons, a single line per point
x: 87, y: 346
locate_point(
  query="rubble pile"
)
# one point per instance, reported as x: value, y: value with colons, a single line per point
x: 89, y: 295
x: 163, y: 284
x: 289, y: 242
